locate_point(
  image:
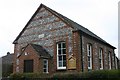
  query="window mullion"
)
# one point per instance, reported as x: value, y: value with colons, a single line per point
x: 62, y: 60
x: 62, y: 53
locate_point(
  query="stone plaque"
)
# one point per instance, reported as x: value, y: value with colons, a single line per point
x: 41, y: 35
x: 72, y: 63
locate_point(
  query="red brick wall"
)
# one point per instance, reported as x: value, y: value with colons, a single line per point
x: 95, y: 49
x: 55, y: 52
x: 52, y: 35
x: 31, y: 55
x: 76, y: 53
x: 77, y: 49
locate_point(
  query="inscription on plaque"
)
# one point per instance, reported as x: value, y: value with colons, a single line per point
x: 72, y: 63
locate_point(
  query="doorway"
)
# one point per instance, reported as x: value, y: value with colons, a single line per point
x: 28, y: 66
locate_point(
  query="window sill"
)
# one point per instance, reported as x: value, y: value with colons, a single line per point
x: 61, y: 68
x: 101, y: 68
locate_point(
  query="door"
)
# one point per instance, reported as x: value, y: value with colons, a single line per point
x: 28, y: 66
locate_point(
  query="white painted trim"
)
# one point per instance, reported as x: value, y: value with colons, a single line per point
x: 58, y: 61
x: 46, y: 65
x: 89, y: 55
x: 61, y: 68
x: 101, y: 53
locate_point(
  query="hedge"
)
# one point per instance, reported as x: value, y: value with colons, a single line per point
x: 97, y: 75
x: 100, y: 74
x: 18, y: 76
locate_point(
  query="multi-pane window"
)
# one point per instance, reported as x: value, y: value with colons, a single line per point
x: 45, y: 66
x: 89, y: 55
x: 61, y: 55
x: 109, y: 60
x: 101, y: 58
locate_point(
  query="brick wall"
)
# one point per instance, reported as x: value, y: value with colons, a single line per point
x: 47, y: 30
x: 31, y: 55
x: 95, y: 49
x: 77, y: 49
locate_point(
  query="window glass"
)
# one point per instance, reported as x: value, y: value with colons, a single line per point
x: 100, y: 58
x: 89, y: 56
x: 61, y: 55
x: 45, y: 66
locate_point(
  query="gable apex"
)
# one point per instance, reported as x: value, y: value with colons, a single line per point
x: 40, y: 51
x: 69, y: 22
x: 41, y: 5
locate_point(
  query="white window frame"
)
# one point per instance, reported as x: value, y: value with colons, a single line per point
x: 89, y: 50
x: 46, y: 65
x: 62, y: 67
x: 101, y: 58
x: 109, y: 60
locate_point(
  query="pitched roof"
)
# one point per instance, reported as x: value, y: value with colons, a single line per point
x: 8, y: 58
x: 71, y: 23
x: 41, y: 51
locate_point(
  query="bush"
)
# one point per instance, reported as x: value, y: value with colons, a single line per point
x: 97, y: 75
x: 104, y: 74
x: 18, y: 76
x: 100, y: 74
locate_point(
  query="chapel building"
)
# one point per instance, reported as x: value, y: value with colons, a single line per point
x: 51, y: 42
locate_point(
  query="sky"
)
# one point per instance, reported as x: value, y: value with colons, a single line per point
x: 99, y: 16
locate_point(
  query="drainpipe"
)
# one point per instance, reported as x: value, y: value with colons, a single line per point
x: 81, y: 51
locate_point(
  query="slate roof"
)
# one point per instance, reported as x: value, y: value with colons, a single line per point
x: 41, y: 51
x: 8, y: 59
x: 71, y: 23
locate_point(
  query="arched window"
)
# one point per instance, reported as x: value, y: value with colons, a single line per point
x: 101, y: 58
x: 61, y: 55
x: 89, y: 56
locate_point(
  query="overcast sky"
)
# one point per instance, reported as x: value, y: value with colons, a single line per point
x: 99, y: 16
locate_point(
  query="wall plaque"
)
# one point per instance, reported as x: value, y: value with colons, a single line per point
x: 41, y: 35
x: 72, y: 63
